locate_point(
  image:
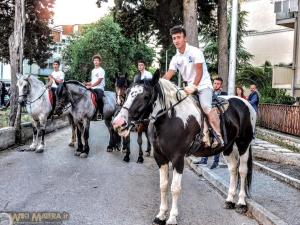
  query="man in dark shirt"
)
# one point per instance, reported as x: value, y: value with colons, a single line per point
x: 253, y: 98
x: 217, y: 86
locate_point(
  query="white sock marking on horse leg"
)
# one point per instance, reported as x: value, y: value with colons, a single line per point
x: 232, y: 167
x: 164, y: 176
x: 243, y: 169
x: 175, y: 188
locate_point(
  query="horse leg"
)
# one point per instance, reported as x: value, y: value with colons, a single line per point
x: 73, y: 127
x: 34, y: 136
x: 85, y: 138
x: 175, y: 189
x: 163, y: 182
x: 232, y: 164
x: 126, y: 146
x: 140, y: 142
x: 43, y: 123
x: 79, y: 142
x: 111, y: 143
x: 245, y: 172
x: 148, y: 151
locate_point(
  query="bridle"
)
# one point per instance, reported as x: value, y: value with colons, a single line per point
x: 72, y: 101
x: 27, y: 93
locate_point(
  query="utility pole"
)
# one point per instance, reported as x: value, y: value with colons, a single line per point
x: 233, y: 45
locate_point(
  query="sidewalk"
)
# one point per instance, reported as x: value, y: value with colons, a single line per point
x: 272, y: 202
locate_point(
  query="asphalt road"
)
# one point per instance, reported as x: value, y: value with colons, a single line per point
x: 102, y: 189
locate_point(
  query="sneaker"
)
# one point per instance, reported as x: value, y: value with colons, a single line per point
x: 214, y: 165
x: 203, y: 161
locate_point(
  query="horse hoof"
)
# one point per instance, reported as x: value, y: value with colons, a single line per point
x: 126, y: 159
x: 229, y: 205
x: 148, y: 153
x: 77, y: 153
x: 124, y: 150
x: 157, y: 221
x: 71, y: 144
x: 83, y: 155
x: 140, y: 160
x: 241, y: 209
x: 109, y: 149
x: 32, y: 147
x: 117, y: 149
x: 39, y: 150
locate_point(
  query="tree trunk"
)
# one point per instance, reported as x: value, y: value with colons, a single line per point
x: 190, y: 21
x: 223, y: 60
x: 16, y: 41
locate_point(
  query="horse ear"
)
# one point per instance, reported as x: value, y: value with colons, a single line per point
x: 156, y: 77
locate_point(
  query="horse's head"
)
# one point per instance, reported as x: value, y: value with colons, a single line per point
x: 138, y: 105
x: 121, y: 85
x: 63, y: 98
x: 24, y: 88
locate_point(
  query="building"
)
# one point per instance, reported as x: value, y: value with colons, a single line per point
x: 274, y: 36
x: 60, y: 34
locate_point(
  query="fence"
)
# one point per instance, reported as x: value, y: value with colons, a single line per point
x: 283, y: 118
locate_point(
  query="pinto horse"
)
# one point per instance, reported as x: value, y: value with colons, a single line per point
x: 78, y: 100
x: 40, y: 106
x: 175, y: 120
x: 121, y: 85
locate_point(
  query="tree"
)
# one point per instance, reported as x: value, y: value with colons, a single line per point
x: 37, y: 40
x: 190, y: 21
x: 119, y: 54
x: 223, y: 60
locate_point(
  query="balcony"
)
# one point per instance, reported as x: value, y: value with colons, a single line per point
x: 286, y: 11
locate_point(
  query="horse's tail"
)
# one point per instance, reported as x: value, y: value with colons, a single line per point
x: 249, y: 173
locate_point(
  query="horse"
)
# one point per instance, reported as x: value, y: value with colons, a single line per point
x: 121, y: 85
x: 175, y: 120
x: 39, y: 102
x: 81, y: 103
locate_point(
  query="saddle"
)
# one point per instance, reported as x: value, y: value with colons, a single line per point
x: 220, y: 105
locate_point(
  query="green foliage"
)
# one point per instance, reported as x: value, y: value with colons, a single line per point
x: 210, y: 38
x: 37, y: 33
x: 262, y: 77
x: 119, y: 54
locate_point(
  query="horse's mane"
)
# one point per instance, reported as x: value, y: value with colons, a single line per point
x: 169, y: 93
x: 76, y: 83
x: 33, y: 78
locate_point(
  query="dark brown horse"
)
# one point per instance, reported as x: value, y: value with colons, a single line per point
x: 121, y: 85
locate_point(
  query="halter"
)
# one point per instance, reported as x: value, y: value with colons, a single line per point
x: 30, y: 102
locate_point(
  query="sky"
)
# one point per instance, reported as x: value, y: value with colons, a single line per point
x: 79, y: 11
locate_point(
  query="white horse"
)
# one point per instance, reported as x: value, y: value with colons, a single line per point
x: 40, y: 104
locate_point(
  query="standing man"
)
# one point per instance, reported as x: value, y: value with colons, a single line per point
x: 143, y: 73
x: 56, y: 76
x: 191, y: 64
x: 253, y: 98
x: 217, y: 85
x: 98, y: 83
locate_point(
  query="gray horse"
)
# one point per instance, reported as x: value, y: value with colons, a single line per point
x: 39, y: 102
x: 74, y: 96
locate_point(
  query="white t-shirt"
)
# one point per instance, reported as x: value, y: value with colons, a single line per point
x: 57, y: 75
x: 185, y: 64
x: 96, y: 75
x: 146, y: 75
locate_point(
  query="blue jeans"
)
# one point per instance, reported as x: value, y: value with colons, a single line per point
x: 216, y: 158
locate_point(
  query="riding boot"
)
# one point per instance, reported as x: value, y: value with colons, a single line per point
x: 214, y: 122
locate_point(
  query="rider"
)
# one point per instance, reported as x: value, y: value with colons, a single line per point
x: 191, y: 64
x: 143, y: 73
x: 98, y: 83
x: 56, y: 76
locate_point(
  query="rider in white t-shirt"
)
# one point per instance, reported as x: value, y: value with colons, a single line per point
x: 143, y: 73
x: 56, y: 76
x: 190, y: 62
x: 98, y: 82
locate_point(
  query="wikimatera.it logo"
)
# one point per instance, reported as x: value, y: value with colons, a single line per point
x: 20, y: 218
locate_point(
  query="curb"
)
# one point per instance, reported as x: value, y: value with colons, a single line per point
x: 278, y: 175
x: 261, y: 214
